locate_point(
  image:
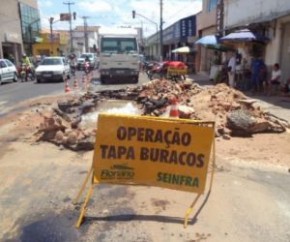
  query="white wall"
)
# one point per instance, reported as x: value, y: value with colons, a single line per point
x: 240, y: 12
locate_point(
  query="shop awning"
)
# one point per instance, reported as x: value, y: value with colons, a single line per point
x: 244, y: 35
x: 212, y: 42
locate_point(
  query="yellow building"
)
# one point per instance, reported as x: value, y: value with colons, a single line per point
x: 51, y: 45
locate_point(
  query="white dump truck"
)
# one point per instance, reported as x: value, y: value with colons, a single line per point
x: 119, y: 55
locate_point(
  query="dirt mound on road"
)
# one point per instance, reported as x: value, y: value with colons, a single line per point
x: 233, y: 113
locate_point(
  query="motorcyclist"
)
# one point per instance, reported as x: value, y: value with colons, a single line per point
x: 27, y: 62
x: 87, y: 64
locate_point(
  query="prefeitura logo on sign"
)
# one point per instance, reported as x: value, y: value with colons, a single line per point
x: 118, y: 172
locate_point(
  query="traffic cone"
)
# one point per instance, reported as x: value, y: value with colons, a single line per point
x: 174, y: 112
x: 66, y: 87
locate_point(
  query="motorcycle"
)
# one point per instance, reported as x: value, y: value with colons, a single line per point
x: 26, y: 73
x: 158, y: 70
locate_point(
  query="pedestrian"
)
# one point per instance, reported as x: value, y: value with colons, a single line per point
x: 275, y: 81
x: 232, y: 70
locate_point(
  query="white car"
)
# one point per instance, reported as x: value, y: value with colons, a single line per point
x: 8, y: 71
x: 52, y: 69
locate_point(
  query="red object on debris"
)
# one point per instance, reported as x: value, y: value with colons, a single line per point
x: 177, y: 64
x: 174, y: 112
x: 67, y: 88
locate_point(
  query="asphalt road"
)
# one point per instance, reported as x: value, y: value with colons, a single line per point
x: 13, y: 94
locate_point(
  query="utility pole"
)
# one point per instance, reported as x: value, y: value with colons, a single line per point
x: 69, y: 3
x: 51, y: 19
x: 86, y: 33
x: 161, y: 30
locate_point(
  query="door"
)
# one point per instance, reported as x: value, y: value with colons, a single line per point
x: 285, y: 52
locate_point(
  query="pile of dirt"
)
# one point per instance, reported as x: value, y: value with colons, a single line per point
x: 233, y: 113
x: 61, y: 126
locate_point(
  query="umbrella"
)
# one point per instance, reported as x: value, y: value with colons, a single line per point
x: 211, y: 42
x: 182, y: 50
x: 243, y: 35
x: 207, y: 40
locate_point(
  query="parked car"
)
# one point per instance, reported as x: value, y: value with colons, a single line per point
x: 8, y: 71
x: 52, y: 69
x: 93, y: 61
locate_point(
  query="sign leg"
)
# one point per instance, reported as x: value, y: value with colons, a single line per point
x: 83, y: 186
x: 84, y: 206
x: 189, y: 210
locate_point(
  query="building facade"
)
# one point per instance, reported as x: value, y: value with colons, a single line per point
x: 181, y: 33
x: 268, y: 18
x: 30, y: 23
x: 55, y: 44
x: 16, y: 27
x: 79, y: 39
x: 206, y: 25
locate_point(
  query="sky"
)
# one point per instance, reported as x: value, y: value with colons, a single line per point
x: 115, y: 13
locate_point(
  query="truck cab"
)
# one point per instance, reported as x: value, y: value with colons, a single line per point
x: 119, y: 58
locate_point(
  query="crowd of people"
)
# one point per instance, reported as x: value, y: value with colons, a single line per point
x: 255, y: 77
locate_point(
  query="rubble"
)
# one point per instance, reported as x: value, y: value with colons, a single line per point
x: 233, y: 113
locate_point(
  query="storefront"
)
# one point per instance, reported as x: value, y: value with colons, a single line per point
x: 11, y: 47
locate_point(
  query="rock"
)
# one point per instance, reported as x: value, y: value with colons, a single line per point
x: 59, y: 137
x: 226, y: 137
x: 261, y: 125
x: 72, y: 137
x: 86, y: 144
x: 240, y: 122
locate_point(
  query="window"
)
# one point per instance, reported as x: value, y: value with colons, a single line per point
x: 51, y: 61
x: 119, y: 45
x: 212, y: 4
x: 2, y: 64
x: 30, y: 22
x: 8, y: 63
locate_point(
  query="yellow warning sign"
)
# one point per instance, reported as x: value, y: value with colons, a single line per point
x: 157, y: 152
x: 141, y: 150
